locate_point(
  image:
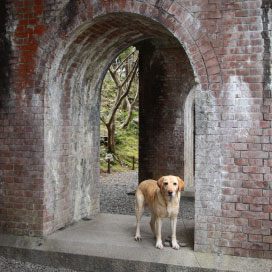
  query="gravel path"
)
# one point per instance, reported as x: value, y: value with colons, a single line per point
x: 114, y: 199
x: 10, y: 265
x: 114, y: 196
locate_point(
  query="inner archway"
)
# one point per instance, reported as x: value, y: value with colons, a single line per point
x: 165, y: 79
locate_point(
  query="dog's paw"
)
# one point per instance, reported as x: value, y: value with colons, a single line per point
x: 138, y: 238
x: 159, y: 245
x: 175, y: 245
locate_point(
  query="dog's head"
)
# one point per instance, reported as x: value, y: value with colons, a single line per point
x: 170, y: 185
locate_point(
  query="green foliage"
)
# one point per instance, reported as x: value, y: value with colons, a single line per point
x: 126, y: 148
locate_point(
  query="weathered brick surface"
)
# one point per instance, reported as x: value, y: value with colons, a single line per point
x: 54, y: 55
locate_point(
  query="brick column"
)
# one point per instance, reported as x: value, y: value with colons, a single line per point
x: 166, y: 78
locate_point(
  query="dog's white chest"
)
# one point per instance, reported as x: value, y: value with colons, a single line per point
x: 169, y: 209
x: 172, y: 208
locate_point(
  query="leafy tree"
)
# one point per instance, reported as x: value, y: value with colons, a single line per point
x: 120, y: 87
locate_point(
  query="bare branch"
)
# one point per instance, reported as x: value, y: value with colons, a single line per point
x: 126, y: 92
x: 103, y: 120
x: 114, y: 77
x: 132, y: 71
x: 121, y: 63
x: 136, y: 96
x: 130, y: 109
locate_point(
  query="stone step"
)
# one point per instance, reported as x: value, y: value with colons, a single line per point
x: 106, y: 243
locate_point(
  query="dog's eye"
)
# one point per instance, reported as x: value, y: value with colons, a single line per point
x: 175, y: 183
x: 166, y: 183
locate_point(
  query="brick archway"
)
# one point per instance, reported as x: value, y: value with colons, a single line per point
x: 71, y: 54
x: 75, y: 59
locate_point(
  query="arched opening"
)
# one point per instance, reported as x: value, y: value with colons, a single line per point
x: 72, y: 103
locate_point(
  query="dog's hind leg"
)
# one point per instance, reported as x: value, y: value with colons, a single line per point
x: 139, y: 205
x: 152, y: 222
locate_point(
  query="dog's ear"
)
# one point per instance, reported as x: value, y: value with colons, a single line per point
x: 180, y: 184
x: 160, y: 182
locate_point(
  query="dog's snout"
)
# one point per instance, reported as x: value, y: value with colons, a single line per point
x: 170, y: 192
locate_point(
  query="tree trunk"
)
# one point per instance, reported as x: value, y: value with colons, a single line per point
x: 128, y: 119
x: 125, y: 104
x: 130, y: 108
x: 111, y: 140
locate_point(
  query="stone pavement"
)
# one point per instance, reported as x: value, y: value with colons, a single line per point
x: 106, y: 243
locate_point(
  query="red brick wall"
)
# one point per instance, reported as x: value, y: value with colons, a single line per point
x: 63, y: 48
x: 21, y: 151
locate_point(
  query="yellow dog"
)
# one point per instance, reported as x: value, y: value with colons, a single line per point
x: 162, y: 197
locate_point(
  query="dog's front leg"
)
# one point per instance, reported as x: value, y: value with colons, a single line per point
x: 158, y: 233
x: 138, y: 235
x: 175, y: 244
x: 139, y: 203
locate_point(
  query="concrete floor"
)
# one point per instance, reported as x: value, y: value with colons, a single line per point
x: 106, y: 243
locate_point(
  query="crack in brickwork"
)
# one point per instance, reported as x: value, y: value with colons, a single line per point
x: 266, y: 6
x: 70, y: 11
x: 5, y: 50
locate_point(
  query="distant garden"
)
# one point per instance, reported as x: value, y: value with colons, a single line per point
x: 120, y: 114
